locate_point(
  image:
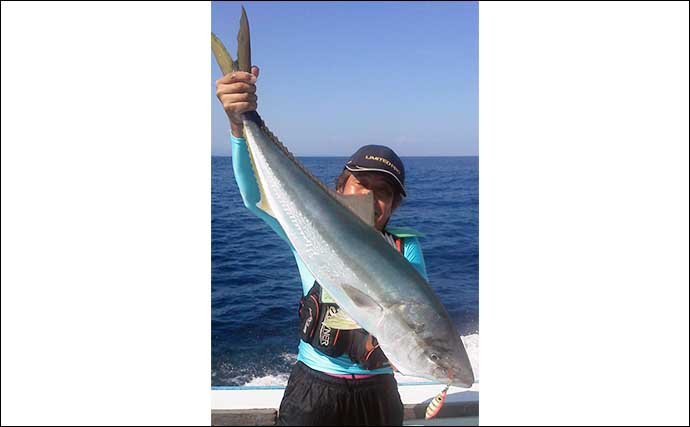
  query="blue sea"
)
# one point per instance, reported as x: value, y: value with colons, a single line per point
x: 256, y: 285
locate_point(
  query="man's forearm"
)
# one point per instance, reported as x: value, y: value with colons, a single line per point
x: 237, y: 130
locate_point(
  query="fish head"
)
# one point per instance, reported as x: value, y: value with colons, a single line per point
x: 446, y: 361
x: 452, y: 367
x: 435, y: 351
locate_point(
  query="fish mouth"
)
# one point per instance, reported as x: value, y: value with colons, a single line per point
x: 464, y: 381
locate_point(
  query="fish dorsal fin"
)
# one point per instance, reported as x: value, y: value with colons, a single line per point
x: 360, y: 205
x: 341, y: 320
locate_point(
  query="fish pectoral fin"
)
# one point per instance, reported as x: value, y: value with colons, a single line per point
x: 341, y: 320
x: 361, y: 299
x: 360, y: 205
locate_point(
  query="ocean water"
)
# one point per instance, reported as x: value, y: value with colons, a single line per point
x: 256, y: 285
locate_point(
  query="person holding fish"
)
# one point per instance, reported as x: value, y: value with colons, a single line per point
x: 341, y: 376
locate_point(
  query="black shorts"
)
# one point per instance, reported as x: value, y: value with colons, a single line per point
x: 313, y: 398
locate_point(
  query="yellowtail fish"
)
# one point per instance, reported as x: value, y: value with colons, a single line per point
x: 334, y: 236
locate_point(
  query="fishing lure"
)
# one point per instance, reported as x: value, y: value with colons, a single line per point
x: 435, y: 405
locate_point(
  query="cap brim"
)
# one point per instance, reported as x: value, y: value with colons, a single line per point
x: 361, y: 169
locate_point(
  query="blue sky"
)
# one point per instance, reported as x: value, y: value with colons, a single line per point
x: 336, y: 76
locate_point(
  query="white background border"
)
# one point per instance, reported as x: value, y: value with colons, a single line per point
x: 106, y: 213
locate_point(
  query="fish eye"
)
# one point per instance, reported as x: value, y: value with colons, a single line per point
x: 433, y: 357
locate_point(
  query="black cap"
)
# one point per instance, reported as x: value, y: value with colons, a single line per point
x: 378, y: 158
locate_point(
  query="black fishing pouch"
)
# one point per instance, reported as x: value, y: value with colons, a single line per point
x: 313, y: 311
x: 308, y: 316
x: 358, y: 344
x: 330, y: 341
x: 365, y: 351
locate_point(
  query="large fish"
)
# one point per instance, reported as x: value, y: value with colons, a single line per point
x: 333, y: 235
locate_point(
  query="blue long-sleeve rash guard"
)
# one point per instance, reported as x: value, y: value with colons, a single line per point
x: 249, y: 189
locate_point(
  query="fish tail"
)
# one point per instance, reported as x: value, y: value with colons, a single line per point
x: 223, y: 58
x: 244, y: 49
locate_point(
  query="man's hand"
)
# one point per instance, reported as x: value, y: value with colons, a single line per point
x: 237, y: 92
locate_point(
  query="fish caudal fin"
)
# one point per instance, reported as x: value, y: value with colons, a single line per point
x: 244, y: 50
x: 223, y: 58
